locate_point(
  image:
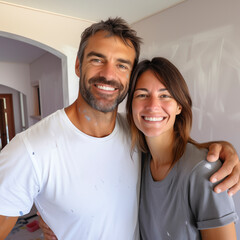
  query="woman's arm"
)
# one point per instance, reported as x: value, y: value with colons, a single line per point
x: 226, y: 232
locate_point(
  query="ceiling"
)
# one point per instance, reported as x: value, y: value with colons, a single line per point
x: 16, y: 51
x: 95, y: 10
x: 89, y: 10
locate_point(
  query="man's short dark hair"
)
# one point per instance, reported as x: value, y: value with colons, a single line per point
x: 115, y: 27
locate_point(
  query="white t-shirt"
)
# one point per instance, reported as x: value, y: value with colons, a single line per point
x: 84, y: 187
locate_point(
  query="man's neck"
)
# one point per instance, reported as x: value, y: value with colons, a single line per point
x: 90, y: 121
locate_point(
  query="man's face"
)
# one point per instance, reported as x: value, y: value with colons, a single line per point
x: 105, y: 71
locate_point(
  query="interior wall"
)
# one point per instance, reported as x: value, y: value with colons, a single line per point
x: 46, y: 72
x: 201, y: 38
x: 56, y: 31
x: 17, y: 77
x: 16, y: 106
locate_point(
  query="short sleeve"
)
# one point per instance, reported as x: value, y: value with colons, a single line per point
x: 210, y: 209
x: 18, y: 181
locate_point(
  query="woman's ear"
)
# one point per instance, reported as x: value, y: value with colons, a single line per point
x: 77, y: 67
x: 179, y: 109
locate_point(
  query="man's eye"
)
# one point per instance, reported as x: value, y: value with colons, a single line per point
x: 123, y: 67
x: 96, y: 60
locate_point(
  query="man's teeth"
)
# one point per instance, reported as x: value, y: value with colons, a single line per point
x: 105, y: 88
x: 153, y: 119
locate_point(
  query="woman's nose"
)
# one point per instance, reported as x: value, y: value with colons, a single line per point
x: 153, y: 104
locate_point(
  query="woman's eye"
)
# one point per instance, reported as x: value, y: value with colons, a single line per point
x: 165, y: 96
x: 141, y: 95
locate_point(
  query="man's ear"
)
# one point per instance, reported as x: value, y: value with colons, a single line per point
x: 77, y: 67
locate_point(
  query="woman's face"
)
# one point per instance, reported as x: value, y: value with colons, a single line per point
x: 154, y: 109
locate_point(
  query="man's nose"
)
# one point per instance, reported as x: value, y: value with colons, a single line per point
x: 108, y: 71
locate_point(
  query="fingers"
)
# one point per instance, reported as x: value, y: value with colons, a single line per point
x: 223, y: 172
x: 48, y: 233
x: 214, y: 152
x: 235, y: 187
x: 232, y: 182
x: 233, y: 190
x: 230, y: 159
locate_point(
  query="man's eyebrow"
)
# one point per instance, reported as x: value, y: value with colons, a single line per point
x: 121, y: 60
x: 128, y: 62
x: 90, y: 54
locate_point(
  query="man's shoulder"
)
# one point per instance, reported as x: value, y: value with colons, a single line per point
x: 47, y: 123
x: 45, y: 132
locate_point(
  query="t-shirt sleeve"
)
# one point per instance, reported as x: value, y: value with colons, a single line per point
x: 210, y: 209
x: 18, y: 180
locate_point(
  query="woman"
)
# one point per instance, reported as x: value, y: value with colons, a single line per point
x: 177, y: 200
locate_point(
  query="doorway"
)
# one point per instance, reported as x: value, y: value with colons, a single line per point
x: 7, y: 128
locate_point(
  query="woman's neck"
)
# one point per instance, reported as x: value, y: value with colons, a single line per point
x: 161, y: 149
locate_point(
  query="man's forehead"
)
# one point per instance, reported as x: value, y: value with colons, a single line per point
x: 104, y: 43
x: 102, y: 36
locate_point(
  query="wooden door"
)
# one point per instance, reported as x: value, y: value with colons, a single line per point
x: 7, y: 127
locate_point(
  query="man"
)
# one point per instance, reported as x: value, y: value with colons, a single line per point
x: 76, y: 164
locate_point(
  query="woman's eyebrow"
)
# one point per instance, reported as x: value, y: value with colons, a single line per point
x: 162, y: 89
x: 145, y: 89
x: 141, y: 89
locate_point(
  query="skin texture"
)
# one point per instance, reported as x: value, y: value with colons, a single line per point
x: 223, y: 233
x: 154, y: 109
x: 6, y: 225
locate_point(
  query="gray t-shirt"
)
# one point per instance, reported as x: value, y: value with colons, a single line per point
x: 184, y: 202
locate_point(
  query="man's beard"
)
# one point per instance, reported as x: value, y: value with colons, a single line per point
x: 102, y: 106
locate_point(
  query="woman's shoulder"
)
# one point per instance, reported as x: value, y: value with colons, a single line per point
x: 194, y: 161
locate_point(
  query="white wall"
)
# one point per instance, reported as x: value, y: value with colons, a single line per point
x: 57, y: 32
x: 46, y: 71
x: 202, y: 38
x: 17, y: 76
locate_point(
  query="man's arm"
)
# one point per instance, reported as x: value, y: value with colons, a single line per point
x: 6, y: 225
x: 48, y: 233
x: 230, y: 169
